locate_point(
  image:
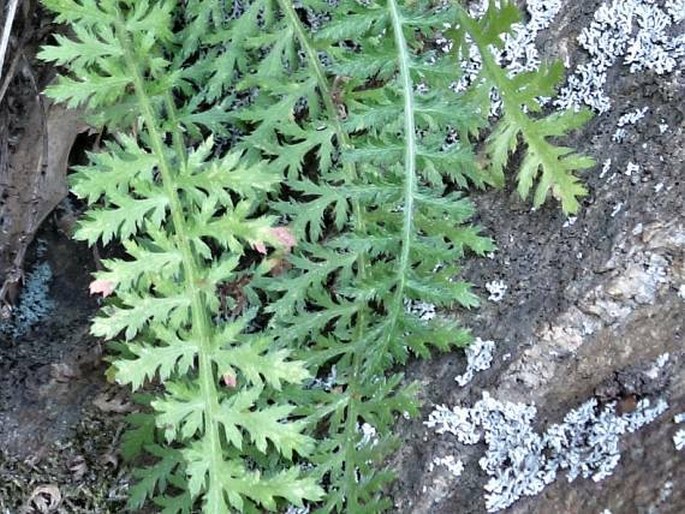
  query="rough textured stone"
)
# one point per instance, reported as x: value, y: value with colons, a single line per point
x: 592, y: 304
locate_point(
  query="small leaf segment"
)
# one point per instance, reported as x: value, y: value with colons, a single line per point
x: 551, y: 166
x: 287, y: 182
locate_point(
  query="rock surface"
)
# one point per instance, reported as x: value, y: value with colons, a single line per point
x: 591, y: 305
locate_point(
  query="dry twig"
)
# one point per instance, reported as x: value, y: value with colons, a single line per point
x: 11, y: 11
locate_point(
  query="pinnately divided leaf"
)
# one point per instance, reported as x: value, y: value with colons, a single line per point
x: 551, y: 167
x: 284, y: 182
x: 186, y: 219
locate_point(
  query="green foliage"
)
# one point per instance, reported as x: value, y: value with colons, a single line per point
x: 184, y: 221
x: 554, y: 166
x: 277, y: 364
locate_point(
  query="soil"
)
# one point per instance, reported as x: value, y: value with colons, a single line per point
x: 60, y: 421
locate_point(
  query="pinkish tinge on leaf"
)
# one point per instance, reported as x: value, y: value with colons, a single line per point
x: 259, y: 246
x: 101, y: 286
x: 284, y: 236
x: 230, y: 380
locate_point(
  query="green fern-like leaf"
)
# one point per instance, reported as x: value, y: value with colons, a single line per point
x: 549, y: 166
x: 184, y: 219
x: 371, y: 231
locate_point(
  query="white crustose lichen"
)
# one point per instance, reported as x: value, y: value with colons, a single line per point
x: 632, y: 168
x: 521, y: 462
x: 634, y: 31
x: 292, y: 509
x: 679, y: 439
x: 423, y: 310
x: 617, y: 208
x: 496, y: 288
x: 369, y: 435
x: 628, y: 119
x: 681, y: 291
x: 655, y: 370
x: 632, y: 117
x: 679, y: 436
x: 454, y: 467
x: 479, y: 355
x: 519, y: 52
x: 570, y: 221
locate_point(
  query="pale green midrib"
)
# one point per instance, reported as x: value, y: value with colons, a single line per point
x: 409, y: 166
x: 537, y: 144
x: 356, y: 380
x: 201, y: 325
x: 322, y: 84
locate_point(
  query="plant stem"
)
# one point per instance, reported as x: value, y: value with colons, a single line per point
x: 356, y: 379
x: 409, y: 170
x: 199, y: 309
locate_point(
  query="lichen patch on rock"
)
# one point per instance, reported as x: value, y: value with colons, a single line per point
x: 521, y: 462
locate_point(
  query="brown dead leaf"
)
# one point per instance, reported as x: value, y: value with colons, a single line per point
x: 114, y: 404
x: 233, y: 290
x: 78, y: 467
x: 110, y: 458
x: 45, y: 499
x: 64, y: 372
x: 33, y: 180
